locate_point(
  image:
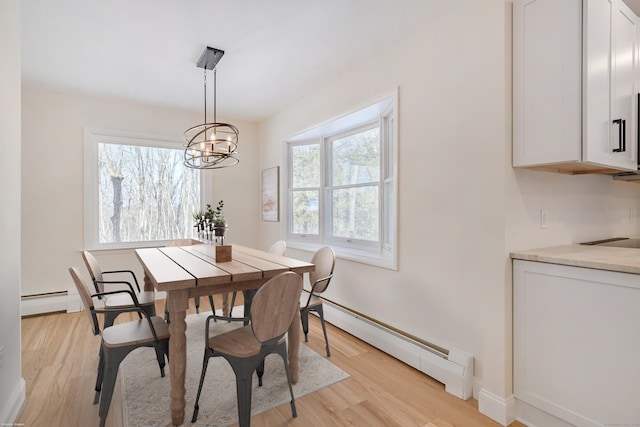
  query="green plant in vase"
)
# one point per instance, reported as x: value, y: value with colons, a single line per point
x: 198, y: 217
x: 216, y: 217
x: 210, y: 222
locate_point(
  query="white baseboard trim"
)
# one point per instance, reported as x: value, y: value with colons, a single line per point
x: 68, y: 301
x: 499, y: 409
x: 74, y: 303
x: 454, y: 370
x: 477, y: 386
x: 13, y: 406
x: 39, y: 304
x: 534, y: 417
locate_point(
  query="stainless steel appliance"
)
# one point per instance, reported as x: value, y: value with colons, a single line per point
x: 620, y: 242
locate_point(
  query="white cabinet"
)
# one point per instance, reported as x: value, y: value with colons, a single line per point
x: 576, y: 340
x: 575, y: 80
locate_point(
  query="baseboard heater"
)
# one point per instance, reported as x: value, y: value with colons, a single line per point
x: 49, y: 302
x: 452, y: 367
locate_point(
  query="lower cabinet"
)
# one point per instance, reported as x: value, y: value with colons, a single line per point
x: 576, y: 345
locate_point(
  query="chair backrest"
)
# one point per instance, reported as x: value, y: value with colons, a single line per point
x: 278, y: 248
x: 274, y: 306
x: 325, y: 260
x: 85, y: 296
x: 94, y: 270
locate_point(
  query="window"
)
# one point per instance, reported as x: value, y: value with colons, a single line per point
x: 137, y: 191
x: 342, y: 186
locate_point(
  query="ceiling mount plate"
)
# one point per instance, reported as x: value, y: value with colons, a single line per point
x: 210, y: 57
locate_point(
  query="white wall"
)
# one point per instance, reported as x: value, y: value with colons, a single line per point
x: 462, y: 207
x: 52, y: 179
x: 12, y: 388
x: 451, y: 81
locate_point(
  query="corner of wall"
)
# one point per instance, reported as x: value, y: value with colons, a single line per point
x: 499, y: 409
x: 12, y: 407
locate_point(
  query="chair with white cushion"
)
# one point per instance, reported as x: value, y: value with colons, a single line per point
x: 279, y: 248
x: 324, y: 260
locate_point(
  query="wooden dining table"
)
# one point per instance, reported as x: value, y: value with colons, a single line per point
x: 192, y: 271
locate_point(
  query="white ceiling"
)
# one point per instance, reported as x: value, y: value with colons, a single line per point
x: 633, y: 5
x: 146, y: 50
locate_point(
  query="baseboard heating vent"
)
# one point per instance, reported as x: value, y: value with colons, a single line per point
x: 49, y: 302
x: 452, y: 367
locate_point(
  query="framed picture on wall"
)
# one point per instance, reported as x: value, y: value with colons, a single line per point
x: 270, y: 194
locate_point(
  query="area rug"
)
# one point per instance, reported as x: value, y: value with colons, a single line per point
x: 146, y: 397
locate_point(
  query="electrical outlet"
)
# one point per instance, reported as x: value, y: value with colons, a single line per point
x: 1, y: 355
x: 543, y: 218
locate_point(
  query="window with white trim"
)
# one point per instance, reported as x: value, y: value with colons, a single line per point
x: 342, y: 186
x: 137, y: 191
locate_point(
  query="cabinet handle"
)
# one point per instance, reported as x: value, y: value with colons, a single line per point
x: 622, y: 135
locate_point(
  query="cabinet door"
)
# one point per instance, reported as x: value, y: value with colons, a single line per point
x: 624, y: 86
x: 547, y: 86
x: 609, y: 37
x: 576, y: 337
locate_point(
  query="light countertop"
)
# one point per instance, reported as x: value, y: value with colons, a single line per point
x: 625, y: 260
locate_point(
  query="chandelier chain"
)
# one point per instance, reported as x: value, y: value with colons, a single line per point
x: 205, y: 96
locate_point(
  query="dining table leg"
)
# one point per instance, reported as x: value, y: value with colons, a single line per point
x: 178, y: 303
x: 225, y: 304
x: 294, y: 347
x: 148, y: 284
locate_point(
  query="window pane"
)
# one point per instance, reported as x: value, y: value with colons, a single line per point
x: 356, y: 158
x: 306, y: 166
x: 390, y: 161
x: 145, y: 194
x: 389, y: 202
x: 306, y: 210
x: 355, y: 213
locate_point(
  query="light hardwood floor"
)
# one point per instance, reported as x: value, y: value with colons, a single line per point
x: 59, y: 360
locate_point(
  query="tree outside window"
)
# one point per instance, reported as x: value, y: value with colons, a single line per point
x: 137, y: 190
x: 145, y: 194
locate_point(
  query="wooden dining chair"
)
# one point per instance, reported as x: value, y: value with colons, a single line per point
x: 146, y: 299
x: 119, y: 340
x: 325, y: 260
x: 278, y: 248
x: 272, y: 310
x: 196, y: 300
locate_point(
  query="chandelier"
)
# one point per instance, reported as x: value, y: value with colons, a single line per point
x: 211, y: 145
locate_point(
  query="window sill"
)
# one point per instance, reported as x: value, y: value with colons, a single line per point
x: 126, y: 246
x: 350, y: 254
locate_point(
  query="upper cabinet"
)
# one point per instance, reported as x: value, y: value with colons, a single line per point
x: 575, y: 80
